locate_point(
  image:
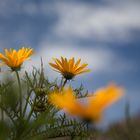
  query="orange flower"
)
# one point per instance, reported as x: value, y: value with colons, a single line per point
x: 14, y: 59
x: 65, y: 100
x: 68, y: 67
x: 96, y: 103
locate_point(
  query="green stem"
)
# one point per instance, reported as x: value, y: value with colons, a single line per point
x: 87, y: 125
x: 7, y: 113
x: 20, y: 92
x: 2, y: 113
x: 27, y: 100
x: 64, y: 83
x: 31, y: 112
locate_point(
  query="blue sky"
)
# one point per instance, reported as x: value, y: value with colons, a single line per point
x: 104, y: 33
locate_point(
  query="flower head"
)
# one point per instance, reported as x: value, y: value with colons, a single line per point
x: 68, y: 67
x: 65, y: 100
x: 96, y: 103
x: 14, y: 59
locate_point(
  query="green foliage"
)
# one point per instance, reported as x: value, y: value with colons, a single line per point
x: 38, y: 119
x: 128, y: 129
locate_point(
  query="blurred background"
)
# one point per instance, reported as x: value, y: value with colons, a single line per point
x: 104, y: 33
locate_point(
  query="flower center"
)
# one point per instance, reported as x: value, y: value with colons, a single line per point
x: 16, y: 68
x: 68, y: 75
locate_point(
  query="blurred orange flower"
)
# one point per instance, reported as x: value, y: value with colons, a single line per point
x: 68, y: 67
x: 14, y: 59
x: 96, y: 103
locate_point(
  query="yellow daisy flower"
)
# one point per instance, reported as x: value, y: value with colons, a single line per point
x: 14, y: 59
x: 68, y: 67
x: 96, y: 103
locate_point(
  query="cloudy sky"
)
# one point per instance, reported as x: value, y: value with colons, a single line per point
x: 104, y: 33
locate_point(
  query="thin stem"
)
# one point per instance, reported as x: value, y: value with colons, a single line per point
x: 27, y: 100
x: 87, y: 125
x: 7, y: 113
x: 61, y: 83
x: 62, y: 86
x: 20, y: 92
x: 31, y: 112
x: 64, y: 83
x: 2, y: 113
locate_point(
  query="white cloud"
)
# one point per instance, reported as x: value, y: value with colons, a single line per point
x: 113, y: 20
x: 99, y: 22
x: 99, y: 60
